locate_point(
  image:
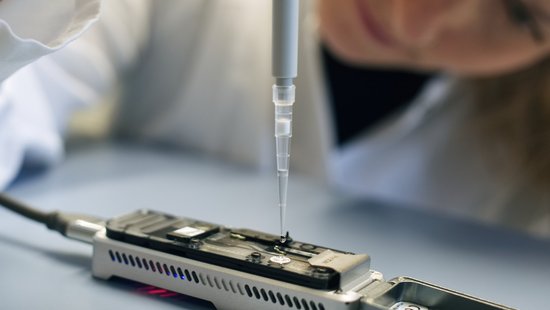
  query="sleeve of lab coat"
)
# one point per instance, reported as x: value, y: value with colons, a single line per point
x: 30, y: 29
x: 36, y: 101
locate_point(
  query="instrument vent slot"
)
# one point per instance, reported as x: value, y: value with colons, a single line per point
x: 177, y: 272
x: 183, y: 274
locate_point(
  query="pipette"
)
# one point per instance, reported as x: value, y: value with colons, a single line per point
x: 285, y: 70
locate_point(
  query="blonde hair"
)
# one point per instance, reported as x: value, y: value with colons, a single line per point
x: 514, y: 114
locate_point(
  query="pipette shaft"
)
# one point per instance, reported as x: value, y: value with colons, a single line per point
x: 285, y: 69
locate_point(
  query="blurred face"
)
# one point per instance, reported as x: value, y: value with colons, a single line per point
x: 467, y: 37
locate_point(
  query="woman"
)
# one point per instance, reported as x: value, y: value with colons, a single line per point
x: 414, y: 126
x: 499, y: 52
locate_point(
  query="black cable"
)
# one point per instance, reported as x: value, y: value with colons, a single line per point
x: 24, y: 210
x: 58, y: 221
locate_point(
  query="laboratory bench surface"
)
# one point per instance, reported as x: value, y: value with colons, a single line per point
x: 41, y: 270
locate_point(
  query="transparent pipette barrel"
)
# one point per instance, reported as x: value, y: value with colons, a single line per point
x: 283, y: 98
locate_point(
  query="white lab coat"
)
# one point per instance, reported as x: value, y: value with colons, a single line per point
x: 30, y: 29
x: 196, y: 74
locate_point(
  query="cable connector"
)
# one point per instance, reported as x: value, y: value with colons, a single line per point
x: 79, y: 227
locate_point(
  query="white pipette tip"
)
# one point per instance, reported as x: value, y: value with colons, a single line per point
x: 283, y: 188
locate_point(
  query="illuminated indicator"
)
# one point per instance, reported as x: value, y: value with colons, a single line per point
x: 173, y: 270
x: 166, y: 269
x: 180, y: 272
x: 112, y: 255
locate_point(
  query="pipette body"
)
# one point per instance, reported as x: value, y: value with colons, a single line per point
x: 285, y: 70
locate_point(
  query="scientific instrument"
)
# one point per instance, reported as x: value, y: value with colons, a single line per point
x: 239, y: 268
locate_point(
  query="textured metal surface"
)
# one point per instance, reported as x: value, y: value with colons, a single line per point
x: 225, y: 288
